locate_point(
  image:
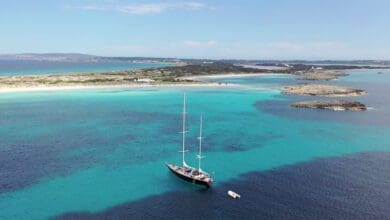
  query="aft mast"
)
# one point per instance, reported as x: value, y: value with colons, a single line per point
x: 199, y: 156
x: 184, y: 131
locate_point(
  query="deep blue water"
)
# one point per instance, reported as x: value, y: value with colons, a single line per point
x: 351, y: 187
x: 28, y: 67
x: 101, y: 153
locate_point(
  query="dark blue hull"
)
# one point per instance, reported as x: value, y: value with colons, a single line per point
x: 189, y: 179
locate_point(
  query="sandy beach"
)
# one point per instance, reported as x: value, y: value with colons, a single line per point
x: 84, y: 87
x: 109, y: 80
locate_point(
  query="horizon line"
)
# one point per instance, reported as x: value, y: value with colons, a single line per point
x: 195, y: 58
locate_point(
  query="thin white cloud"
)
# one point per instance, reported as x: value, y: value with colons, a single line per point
x: 141, y: 8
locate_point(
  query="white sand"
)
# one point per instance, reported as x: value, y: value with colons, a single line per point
x: 78, y: 87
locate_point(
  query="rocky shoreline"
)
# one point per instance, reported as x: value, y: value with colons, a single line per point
x: 321, y: 75
x: 335, y: 105
x: 322, y: 90
x: 309, y: 89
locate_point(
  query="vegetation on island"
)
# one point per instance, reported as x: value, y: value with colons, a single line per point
x: 322, y: 90
x: 162, y: 75
x: 154, y: 76
x: 321, y: 75
x: 335, y: 105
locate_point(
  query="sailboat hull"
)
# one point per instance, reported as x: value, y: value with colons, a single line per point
x: 185, y: 177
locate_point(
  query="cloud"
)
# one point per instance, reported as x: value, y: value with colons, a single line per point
x: 141, y: 8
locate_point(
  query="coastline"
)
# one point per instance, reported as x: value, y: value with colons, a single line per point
x: 261, y: 67
x: 69, y: 81
x: 322, y: 90
x: 86, y: 87
x: 119, y: 79
x: 233, y: 75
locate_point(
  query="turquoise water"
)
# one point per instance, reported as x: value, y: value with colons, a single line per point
x: 89, y: 150
x: 26, y: 67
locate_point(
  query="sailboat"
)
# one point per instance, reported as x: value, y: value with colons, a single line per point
x: 186, y: 172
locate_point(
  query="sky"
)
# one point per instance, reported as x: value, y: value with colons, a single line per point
x: 217, y: 29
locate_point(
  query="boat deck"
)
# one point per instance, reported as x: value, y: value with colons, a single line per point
x: 191, y: 173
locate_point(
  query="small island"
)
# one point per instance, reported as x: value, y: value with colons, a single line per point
x: 335, y: 105
x: 169, y: 76
x: 321, y: 75
x: 322, y: 90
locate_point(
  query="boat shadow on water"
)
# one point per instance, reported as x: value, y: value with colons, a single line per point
x: 184, y: 185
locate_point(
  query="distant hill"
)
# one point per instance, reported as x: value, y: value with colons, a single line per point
x: 78, y: 57
x: 310, y: 62
x: 48, y: 56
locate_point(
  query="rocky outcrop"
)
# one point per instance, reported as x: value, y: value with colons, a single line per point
x: 335, y: 105
x: 322, y: 90
x: 321, y: 75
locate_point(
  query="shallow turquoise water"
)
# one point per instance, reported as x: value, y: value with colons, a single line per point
x: 94, y: 149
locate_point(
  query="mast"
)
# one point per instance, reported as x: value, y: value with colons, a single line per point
x: 199, y: 156
x: 184, y: 130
